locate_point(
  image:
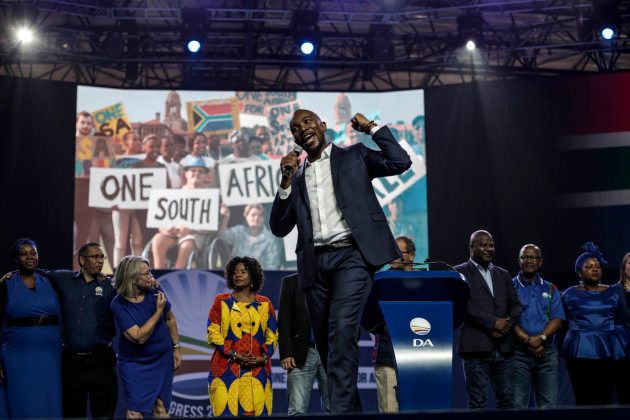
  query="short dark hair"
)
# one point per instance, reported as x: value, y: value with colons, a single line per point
x: 253, y: 267
x: 85, y: 247
x: 84, y: 114
x: 411, y: 247
x: 15, y: 248
x: 191, y: 140
x: 178, y: 138
x: 474, y: 237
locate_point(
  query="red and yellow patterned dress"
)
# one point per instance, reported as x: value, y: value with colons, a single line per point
x: 246, y: 328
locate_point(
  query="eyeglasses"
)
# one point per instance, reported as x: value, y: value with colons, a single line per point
x: 529, y: 258
x: 96, y: 257
x: 146, y: 274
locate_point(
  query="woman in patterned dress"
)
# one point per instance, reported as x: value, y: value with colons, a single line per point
x: 242, y: 329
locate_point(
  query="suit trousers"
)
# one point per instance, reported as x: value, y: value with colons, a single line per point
x: 335, y: 304
x: 90, y: 377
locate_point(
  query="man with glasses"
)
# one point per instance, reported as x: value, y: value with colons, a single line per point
x: 88, y: 361
x: 536, y: 359
x: 486, y: 343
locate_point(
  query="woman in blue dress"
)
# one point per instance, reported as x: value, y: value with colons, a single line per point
x: 595, y: 340
x: 148, y: 349
x: 30, y: 336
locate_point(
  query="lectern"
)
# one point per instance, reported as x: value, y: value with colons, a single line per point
x: 421, y: 309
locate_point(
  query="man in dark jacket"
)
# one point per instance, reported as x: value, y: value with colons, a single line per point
x: 343, y: 237
x: 297, y: 350
x: 486, y: 343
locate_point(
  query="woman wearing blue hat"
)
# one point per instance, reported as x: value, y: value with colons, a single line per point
x: 596, y: 339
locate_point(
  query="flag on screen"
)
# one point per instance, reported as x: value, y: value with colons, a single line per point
x: 214, y: 117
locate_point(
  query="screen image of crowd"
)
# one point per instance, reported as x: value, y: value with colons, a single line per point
x: 192, y: 192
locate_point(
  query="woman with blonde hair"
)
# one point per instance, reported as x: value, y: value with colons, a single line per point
x: 148, y: 339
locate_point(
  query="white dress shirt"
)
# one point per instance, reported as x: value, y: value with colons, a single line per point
x: 328, y: 222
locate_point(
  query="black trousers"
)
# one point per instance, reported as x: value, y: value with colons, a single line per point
x: 90, y: 376
x: 622, y: 373
x: 335, y: 304
x: 593, y: 380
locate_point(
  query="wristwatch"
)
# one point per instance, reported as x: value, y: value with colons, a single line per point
x: 543, y: 337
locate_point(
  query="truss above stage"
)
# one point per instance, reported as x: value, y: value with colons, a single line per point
x: 363, y: 44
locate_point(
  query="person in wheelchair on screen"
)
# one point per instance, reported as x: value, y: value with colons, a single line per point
x: 252, y: 238
x: 187, y: 240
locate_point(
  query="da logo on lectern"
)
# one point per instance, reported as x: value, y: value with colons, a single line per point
x: 420, y: 326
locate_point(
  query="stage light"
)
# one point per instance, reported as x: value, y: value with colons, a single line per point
x: 306, y: 35
x: 470, y: 31
x: 607, y: 33
x: 193, y: 46
x: 307, y: 47
x: 606, y: 19
x: 193, y: 30
x: 24, y: 35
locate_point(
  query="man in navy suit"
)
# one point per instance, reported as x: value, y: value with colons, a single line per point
x: 485, y: 342
x: 343, y: 237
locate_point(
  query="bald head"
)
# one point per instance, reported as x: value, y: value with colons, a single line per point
x: 308, y: 131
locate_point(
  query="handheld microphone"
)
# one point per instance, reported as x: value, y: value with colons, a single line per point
x: 287, y: 170
x: 447, y: 265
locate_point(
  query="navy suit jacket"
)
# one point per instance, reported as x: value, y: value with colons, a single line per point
x: 483, y: 309
x: 294, y: 330
x: 353, y: 169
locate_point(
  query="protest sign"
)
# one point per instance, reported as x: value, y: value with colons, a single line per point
x: 390, y: 187
x: 112, y: 122
x: 279, y: 117
x: 125, y: 188
x: 196, y: 209
x: 249, y: 182
x: 255, y: 102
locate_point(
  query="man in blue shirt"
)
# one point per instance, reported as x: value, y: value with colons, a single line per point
x: 536, y: 357
x: 88, y: 361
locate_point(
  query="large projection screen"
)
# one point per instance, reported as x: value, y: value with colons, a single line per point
x: 123, y: 201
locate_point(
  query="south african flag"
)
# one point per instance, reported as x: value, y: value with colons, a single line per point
x: 216, y: 117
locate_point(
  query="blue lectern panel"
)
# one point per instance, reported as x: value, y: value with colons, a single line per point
x: 422, y: 337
